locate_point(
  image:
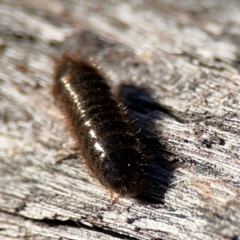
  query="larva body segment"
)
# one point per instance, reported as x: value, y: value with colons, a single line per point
x: 106, y: 138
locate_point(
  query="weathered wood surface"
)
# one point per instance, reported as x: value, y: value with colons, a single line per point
x: 176, y: 65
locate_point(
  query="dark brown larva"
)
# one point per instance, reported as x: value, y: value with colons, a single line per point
x: 106, y: 138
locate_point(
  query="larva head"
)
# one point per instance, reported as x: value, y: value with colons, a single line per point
x: 121, y: 171
x: 69, y: 65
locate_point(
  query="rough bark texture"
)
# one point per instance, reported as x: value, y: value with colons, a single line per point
x: 175, y: 64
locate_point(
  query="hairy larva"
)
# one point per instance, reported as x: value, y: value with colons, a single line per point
x: 106, y: 138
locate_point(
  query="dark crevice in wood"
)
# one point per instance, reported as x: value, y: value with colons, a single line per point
x: 79, y: 224
x: 73, y: 223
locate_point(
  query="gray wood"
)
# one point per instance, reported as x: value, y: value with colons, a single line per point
x: 175, y: 64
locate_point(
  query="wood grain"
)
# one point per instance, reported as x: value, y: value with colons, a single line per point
x: 175, y: 65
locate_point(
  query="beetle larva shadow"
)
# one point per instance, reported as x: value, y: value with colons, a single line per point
x: 158, y: 169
